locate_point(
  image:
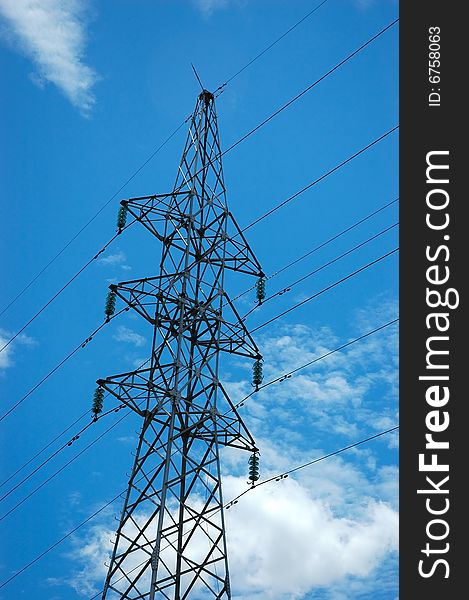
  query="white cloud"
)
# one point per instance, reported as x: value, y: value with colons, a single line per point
x: 52, y: 34
x: 208, y: 7
x: 118, y: 259
x: 138, y: 361
x: 330, y: 529
x: 6, y: 355
x: 282, y: 542
x: 127, y: 439
x: 113, y: 259
x: 124, y: 334
x: 346, y: 394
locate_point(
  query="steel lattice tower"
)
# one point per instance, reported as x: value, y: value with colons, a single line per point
x: 170, y: 542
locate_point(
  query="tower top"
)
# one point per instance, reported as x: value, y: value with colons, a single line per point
x: 206, y: 96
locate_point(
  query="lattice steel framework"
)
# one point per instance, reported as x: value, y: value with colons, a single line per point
x: 171, y: 541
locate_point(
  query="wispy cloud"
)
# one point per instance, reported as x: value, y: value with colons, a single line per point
x: 347, y: 394
x: 113, y: 259
x: 127, y: 439
x: 118, y: 259
x: 208, y: 7
x: 52, y: 34
x: 330, y: 531
x: 6, y: 355
x: 125, y: 334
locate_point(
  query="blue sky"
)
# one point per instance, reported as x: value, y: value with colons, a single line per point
x: 89, y: 91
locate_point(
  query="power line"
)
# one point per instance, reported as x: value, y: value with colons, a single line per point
x: 100, y: 210
x: 150, y: 158
x: 63, y: 288
x: 287, y: 375
x: 75, y: 350
x: 309, y: 463
x: 333, y: 238
x: 253, y: 60
x: 57, y: 367
x: 277, y: 478
x: 63, y: 538
x: 92, y: 516
x: 318, y: 269
x: 286, y: 473
x: 257, y: 220
x: 92, y: 443
x: 278, y: 379
x: 329, y: 287
x: 67, y: 535
x: 294, y: 99
x: 310, y: 87
x: 249, y: 226
x: 316, y: 181
x: 248, y: 134
x: 65, y: 445
x: 259, y: 327
x: 281, y: 270
x: 319, y: 246
x: 44, y: 448
x: 289, y: 199
x: 262, y: 482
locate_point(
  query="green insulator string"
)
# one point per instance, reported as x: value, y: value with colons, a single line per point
x: 260, y: 289
x: 253, y: 468
x: 98, y: 400
x: 121, y: 217
x: 110, y: 306
x: 257, y: 376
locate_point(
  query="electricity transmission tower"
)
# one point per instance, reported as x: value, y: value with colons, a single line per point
x: 170, y: 542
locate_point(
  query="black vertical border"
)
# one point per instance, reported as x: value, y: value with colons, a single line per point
x: 424, y: 129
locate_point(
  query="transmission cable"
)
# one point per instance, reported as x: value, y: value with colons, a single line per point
x: 289, y: 199
x: 318, y: 247
x: 329, y: 287
x: 100, y: 210
x: 67, y: 444
x: 239, y: 141
x: 152, y: 155
x: 294, y: 99
x: 310, y: 87
x: 282, y: 269
x: 289, y: 374
x: 81, y: 345
x: 44, y: 448
x: 248, y: 134
x: 316, y: 181
x: 92, y: 516
x: 257, y: 220
x: 64, y: 287
x: 74, y: 458
x: 62, y: 539
x: 58, y: 436
x: 253, y: 60
x: 285, y: 474
x: 276, y: 478
x: 279, y: 379
x: 318, y: 269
